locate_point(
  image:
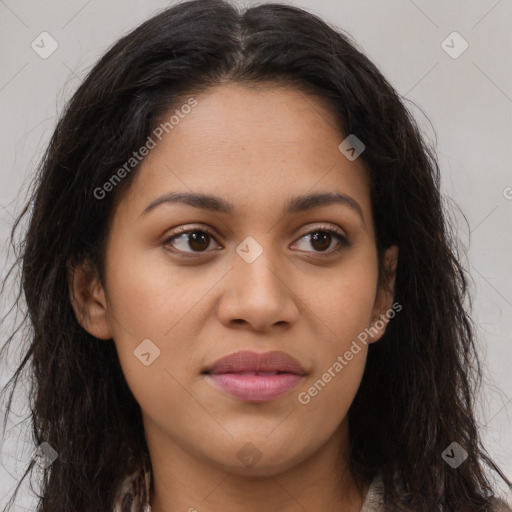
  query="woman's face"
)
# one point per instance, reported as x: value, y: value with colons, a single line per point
x: 267, y: 277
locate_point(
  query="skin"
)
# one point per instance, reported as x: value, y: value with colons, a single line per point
x: 256, y: 148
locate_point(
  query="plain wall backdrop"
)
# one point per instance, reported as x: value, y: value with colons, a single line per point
x: 466, y: 93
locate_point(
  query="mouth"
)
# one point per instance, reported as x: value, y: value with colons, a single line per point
x: 256, y: 377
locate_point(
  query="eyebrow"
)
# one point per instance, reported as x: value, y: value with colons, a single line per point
x: 217, y: 204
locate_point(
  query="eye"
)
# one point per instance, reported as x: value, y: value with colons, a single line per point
x: 196, y: 239
x: 322, y: 238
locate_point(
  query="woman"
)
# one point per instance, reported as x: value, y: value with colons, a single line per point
x: 241, y: 286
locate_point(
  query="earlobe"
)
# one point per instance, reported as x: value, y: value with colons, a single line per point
x: 88, y: 300
x: 383, y: 307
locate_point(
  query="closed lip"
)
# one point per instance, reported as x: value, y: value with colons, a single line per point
x: 246, y: 361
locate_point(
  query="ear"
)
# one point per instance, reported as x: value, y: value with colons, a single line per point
x: 383, y: 307
x: 88, y: 299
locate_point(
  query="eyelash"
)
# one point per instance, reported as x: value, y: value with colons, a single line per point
x: 343, y: 242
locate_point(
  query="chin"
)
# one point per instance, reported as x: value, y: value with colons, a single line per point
x: 260, y: 458
x: 260, y: 469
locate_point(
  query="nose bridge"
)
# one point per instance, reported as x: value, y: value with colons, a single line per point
x: 255, y: 265
x: 256, y: 291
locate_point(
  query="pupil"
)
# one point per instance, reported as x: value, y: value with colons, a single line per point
x: 198, y: 237
x: 324, y: 238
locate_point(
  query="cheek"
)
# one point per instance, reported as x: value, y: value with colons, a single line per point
x: 148, y: 310
x: 340, y: 305
x: 148, y: 296
x: 326, y: 398
x: 342, y: 299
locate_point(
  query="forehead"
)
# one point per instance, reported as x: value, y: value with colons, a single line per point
x: 251, y: 144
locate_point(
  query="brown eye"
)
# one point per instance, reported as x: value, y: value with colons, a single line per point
x: 190, y: 241
x: 198, y: 240
x: 322, y: 239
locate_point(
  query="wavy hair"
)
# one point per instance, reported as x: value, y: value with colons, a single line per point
x: 418, y: 389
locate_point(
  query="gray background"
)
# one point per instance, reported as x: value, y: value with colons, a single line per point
x: 467, y: 99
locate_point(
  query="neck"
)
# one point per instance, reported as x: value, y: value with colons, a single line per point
x: 183, y: 481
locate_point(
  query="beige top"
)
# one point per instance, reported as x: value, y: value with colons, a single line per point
x: 374, y: 496
x: 133, y: 495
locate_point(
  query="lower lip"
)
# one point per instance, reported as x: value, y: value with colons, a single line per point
x: 256, y: 388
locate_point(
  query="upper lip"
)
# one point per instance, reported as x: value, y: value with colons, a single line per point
x: 265, y: 362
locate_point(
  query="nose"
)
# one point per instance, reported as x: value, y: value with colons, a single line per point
x: 258, y: 295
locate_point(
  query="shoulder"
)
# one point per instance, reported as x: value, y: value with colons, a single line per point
x: 375, y: 498
x: 132, y: 495
x: 499, y: 505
